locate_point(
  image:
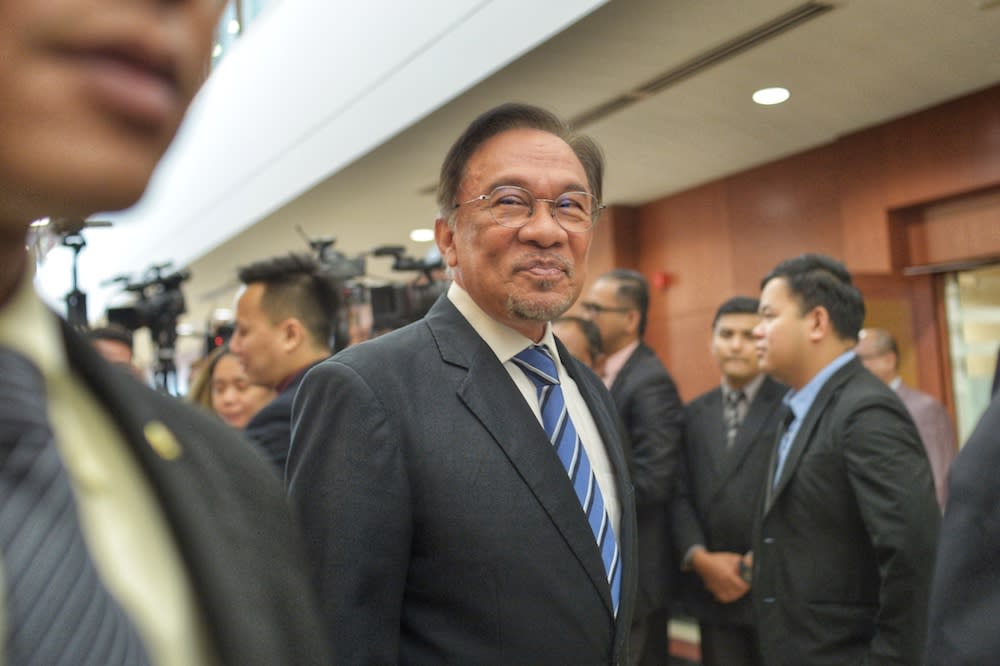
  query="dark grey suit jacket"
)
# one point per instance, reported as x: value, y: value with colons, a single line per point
x: 653, y: 415
x: 965, y: 597
x: 720, y: 492
x: 228, y: 516
x: 844, y: 545
x: 441, y: 524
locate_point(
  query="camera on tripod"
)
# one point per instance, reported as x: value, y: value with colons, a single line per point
x: 157, y: 303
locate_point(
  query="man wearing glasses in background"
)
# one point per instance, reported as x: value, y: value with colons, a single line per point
x: 653, y: 414
x: 461, y: 481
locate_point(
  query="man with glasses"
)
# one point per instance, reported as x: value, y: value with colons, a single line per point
x: 461, y: 481
x: 651, y: 409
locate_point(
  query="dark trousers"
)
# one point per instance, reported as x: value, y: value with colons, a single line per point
x: 729, y: 645
x: 649, y: 639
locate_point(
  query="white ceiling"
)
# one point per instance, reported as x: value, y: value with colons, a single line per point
x: 862, y: 63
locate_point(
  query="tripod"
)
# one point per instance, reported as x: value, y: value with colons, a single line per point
x: 76, y: 300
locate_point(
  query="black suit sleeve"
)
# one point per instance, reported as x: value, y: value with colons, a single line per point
x: 655, y: 425
x: 965, y: 599
x: 889, y: 475
x: 348, y: 481
x: 685, y: 525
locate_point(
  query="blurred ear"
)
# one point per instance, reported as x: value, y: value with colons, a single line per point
x: 292, y: 334
x: 444, y: 235
x: 818, y: 323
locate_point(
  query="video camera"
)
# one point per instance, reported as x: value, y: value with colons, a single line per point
x: 391, y: 305
x: 157, y: 303
x: 397, y: 304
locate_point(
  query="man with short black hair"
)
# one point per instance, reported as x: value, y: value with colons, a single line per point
x: 879, y: 352
x: 284, y: 320
x: 844, y: 543
x: 653, y: 414
x: 729, y: 434
x: 461, y: 480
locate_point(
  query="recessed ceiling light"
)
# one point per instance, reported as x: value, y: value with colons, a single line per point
x: 770, y: 96
x: 233, y: 27
x: 422, y: 235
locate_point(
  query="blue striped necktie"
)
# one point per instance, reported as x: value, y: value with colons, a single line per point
x: 537, y: 364
x: 57, y: 609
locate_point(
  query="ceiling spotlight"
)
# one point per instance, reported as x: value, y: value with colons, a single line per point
x: 422, y: 235
x: 233, y: 27
x: 771, y: 96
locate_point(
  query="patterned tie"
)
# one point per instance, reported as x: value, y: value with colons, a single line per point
x: 537, y: 364
x: 58, y: 611
x: 784, y: 444
x: 734, y: 401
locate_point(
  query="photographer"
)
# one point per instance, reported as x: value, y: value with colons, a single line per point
x: 284, y: 321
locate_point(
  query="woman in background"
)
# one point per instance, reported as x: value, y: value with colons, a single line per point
x: 222, y: 386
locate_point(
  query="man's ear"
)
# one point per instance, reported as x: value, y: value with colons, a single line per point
x: 293, y: 334
x: 634, y: 317
x: 818, y: 323
x: 444, y: 235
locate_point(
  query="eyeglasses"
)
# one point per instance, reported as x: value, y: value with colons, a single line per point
x: 513, y: 207
x: 597, y: 308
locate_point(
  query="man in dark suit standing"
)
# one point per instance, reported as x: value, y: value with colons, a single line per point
x: 651, y: 409
x: 844, y: 543
x: 729, y: 434
x: 462, y: 483
x: 965, y: 597
x: 284, y: 320
x: 153, y: 518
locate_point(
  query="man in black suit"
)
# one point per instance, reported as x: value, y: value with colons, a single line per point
x: 965, y: 596
x: 728, y: 438
x: 651, y: 409
x: 439, y: 515
x: 184, y: 525
x: 844, y: 542
x: 284, y: 320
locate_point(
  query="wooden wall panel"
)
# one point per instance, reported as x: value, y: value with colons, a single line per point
x: 865, y: 221
x: 955, y: 230
x: 945, y: 150
x: 781, y: 210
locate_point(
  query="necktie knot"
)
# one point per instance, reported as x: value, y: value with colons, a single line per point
x: 538, y: 364
x: 735, y: 398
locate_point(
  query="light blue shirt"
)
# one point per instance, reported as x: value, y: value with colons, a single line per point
x: 800, y: 402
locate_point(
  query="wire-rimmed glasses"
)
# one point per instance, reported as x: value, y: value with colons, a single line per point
x: 513, y: 207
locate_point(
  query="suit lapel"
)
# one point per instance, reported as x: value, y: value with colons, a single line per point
x: 490, y: 395
x: 804, y: 436
x: 168, y: 469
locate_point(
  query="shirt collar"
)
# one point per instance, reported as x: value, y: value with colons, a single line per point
x: 614, y: 363
x: 29, y: 327
x: 750, y: 390
x: 504, y: 341
x: 800, y: 401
